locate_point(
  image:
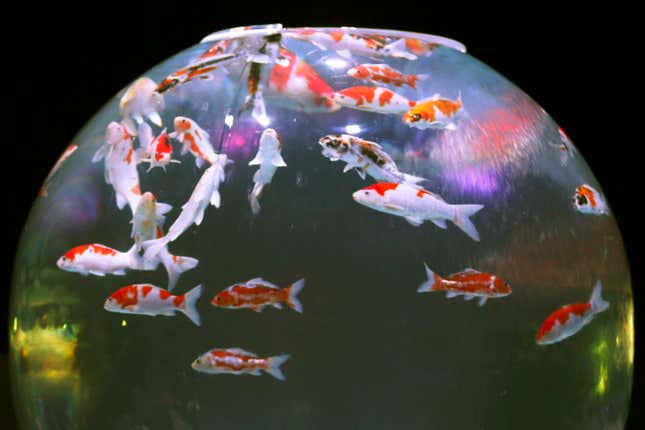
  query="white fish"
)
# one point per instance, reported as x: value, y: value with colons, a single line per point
x: 269, y: 158
x: 141, y: 100
x: 193, y: 139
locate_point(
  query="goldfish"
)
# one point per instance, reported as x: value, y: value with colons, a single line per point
x: 154, y: 150
x: 202, y: 68
x: 299, y: 83
x: 382, y: 73
x: 269, y: 158
x: 417, y: 205
x: 237, y: 361
x: 257, y: 293
x: 588, y: 200
x: 120, y: 165
x: 435, y: 112
x: 373, y: 99
x: 100, y: 260
x: 469, y: 283
x: 192, y: 212
x: 64, y: 156
x: 365, y: 157
x: 570, y: 319
x: 146, y: 299
x: 141, y: 100
x: 193, y: 139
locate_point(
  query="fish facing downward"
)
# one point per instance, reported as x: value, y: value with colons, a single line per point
x: 588, y: 200
x: 154, y: 150
x: 146, y: 299
x: 373, y: 99
x: 237, y: 361
x: 569, y: 319
x: 469, y: 283
x: 141, y: 100
x: 382, y: 73
x: 269, y: 158
x: 100, y: 260
x: 417, y: 205
x: 193, y: 139
x: 257, y: 293
x: 367, y: 158
x: 435, y: 112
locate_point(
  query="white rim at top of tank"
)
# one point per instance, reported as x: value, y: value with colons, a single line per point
x: 247, y: 31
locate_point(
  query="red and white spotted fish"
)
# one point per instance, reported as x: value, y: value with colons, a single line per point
x: 141, y: 100
x: 435, y: 112
x: 419, y: 47
x: 154, y: 150
x: 469, y: 283
x: 367, y: 158
x: 64, y: 156
x: 202, y: 68
x: 237, y: 361
x: 269, y: 158
x: 193, y: 139
x: 417, y: 205
x: 146, y: 299
x: 373, y: 99
x: 257, y: 293
x: 300, y: 84
x: 100, y: 260
x: 384, y: 74
x: 588, y: 200
x: 120, y: 165
x: 570, y: 319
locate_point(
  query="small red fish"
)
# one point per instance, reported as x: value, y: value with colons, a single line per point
x: 257, y: 293
x: 237, y: 361
x: 382, y: 73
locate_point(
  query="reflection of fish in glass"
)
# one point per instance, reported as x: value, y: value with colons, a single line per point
x: 257, y: 293
x: 236, y: 361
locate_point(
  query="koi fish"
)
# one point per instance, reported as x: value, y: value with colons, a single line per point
x: 373, y: 99
x: 141, y: 100
x: 100, y: 260
x: 192, y: 212
x: 120, y: 165
x: 148, y: 215
x: 154, y: 150
x: 300, y: 83
x: 269, y: 158
x: 64, y: 156
x: 419, y: 47
x: 146, y: 299
x: 469, y: 283
x: 365, y: 157
x: 570, y: 319
x: 193, y: 139
x: 434, y: 112
x: 257, y: 293
x: 417, y: 205
x: 382, y: 73
x: 588, y: 200
x: 202, y: 68
x: 237, y: 361
x: 567, y: 150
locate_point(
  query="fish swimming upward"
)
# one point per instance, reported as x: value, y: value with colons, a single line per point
x: 570, y: 319
x: 435, y: 112
x: 101, y: 260
x: 193, y: 139
x: 588, y: 200
x: 269, y: 158
x: 367, y: 158
x: 373, y: 99
x: 469, y: 283
x: 141, y: 100
x: 146, y: 299
x: 154, y: 150
x: 236, y: 361
x: 417, y: 205
x: 384, y: 74
x: 257, y: 293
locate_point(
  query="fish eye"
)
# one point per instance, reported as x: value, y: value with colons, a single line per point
x: 416, y: 117
x: 367, y: 193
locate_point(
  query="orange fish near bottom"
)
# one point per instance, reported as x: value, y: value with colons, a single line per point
x: 257, y: 293
x: 237, y: 361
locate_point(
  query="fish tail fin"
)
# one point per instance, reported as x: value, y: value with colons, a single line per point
x: 254, y: 197
x: 292, y: 295
x: 462, y: 219
x: 154, y: 247
x: 176, y: 265
x: 190, y: 300
x: 429, y: 285
x: 411, y: 179
x: 598, y: 304
x: 161, y: 209
x: 274, y: 366
x: 101, y: 152
x: 133, y: 258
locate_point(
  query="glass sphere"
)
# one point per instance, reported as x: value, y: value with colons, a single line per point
x: 387, y: 234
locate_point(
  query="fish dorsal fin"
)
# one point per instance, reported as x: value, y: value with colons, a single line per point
x: 470, y: 270
x: 240, y: 351
x: 264, y: 283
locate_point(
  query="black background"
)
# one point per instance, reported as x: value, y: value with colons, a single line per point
x: 61, y: 64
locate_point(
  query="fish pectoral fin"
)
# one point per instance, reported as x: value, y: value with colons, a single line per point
x: 451, y: 294
x: 361, y: 172
x: 415, y: 221
x: 468, y: 297
x: 256, y: 372
x: 97, y: 273
x: 277, y: 161
x: 199, y: 217
x: 131, y: 308
x: 441, y: 223
x: 277, y: 305
x: 349, y: 166
x: 482, y: 301
x: 393, y: 207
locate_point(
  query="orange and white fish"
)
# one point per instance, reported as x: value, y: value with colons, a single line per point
x: 435, y: 112
x: 236, y: 361
x: 193, y: 139
x: 569, y: 319
x: 141, y: 100
x: 257, y: 293
x: 64, y: 156
x: 588, y: 200
x: 120, y: 165
x: 367, y: 158
x: 154, y: 150
x: 417, y: 205
x: 269, y: 158
x: 373, y: 99
x: 300, y: 84
x: 419, y: 47
x: 384, y: 74
x: 100, y: 260
x: 146, y: 299
x: 469, y: 283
